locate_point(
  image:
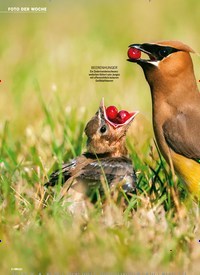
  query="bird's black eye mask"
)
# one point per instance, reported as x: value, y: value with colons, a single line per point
x: 157, y: 52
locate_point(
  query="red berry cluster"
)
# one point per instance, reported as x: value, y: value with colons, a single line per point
x: 134, y: 53
x: 117, y: 117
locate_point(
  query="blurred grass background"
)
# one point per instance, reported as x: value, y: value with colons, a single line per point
x: 46, y: 97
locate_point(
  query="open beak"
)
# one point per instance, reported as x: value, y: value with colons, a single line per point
x: 147, y: 49
x: 155, y: 52
x: 117, y: 124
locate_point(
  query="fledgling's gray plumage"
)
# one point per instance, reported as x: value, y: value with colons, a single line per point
x: 106, y: 159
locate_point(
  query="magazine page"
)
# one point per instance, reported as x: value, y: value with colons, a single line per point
x: 99, y: 137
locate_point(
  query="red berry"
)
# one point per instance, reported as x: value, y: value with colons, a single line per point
x: 122, y: 116
x: 111, y: 112
x: 134, y: 53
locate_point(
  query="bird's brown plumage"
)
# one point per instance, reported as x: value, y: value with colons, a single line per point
x: 176, y: 106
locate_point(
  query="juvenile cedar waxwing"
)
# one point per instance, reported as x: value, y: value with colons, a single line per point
x: 176, y: 106
x: 106, y: 157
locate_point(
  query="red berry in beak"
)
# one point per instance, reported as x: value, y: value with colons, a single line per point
x: 122, y: 116
x: 111, y: 112
x: 134, y: 53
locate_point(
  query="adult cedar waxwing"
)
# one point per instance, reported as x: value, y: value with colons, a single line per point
x: 106, y: 158
x: 176, y: 106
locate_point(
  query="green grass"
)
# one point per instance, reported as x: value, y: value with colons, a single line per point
x: 39, y: 235
x: 46, y: 98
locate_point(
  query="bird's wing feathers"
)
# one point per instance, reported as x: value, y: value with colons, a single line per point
x: 64, y: 173
x: 92, y: 170
x: 113, y: 170
x: 182, y: 134
x: 111, y: 167
x: 67, y: 170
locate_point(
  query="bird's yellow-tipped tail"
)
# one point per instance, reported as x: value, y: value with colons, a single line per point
x: 189, y: 170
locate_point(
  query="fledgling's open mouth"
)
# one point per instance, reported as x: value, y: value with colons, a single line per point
x: 117, y: 118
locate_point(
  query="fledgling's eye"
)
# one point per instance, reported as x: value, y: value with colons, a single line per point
x: 164, y: 52
x: 103, y: 129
